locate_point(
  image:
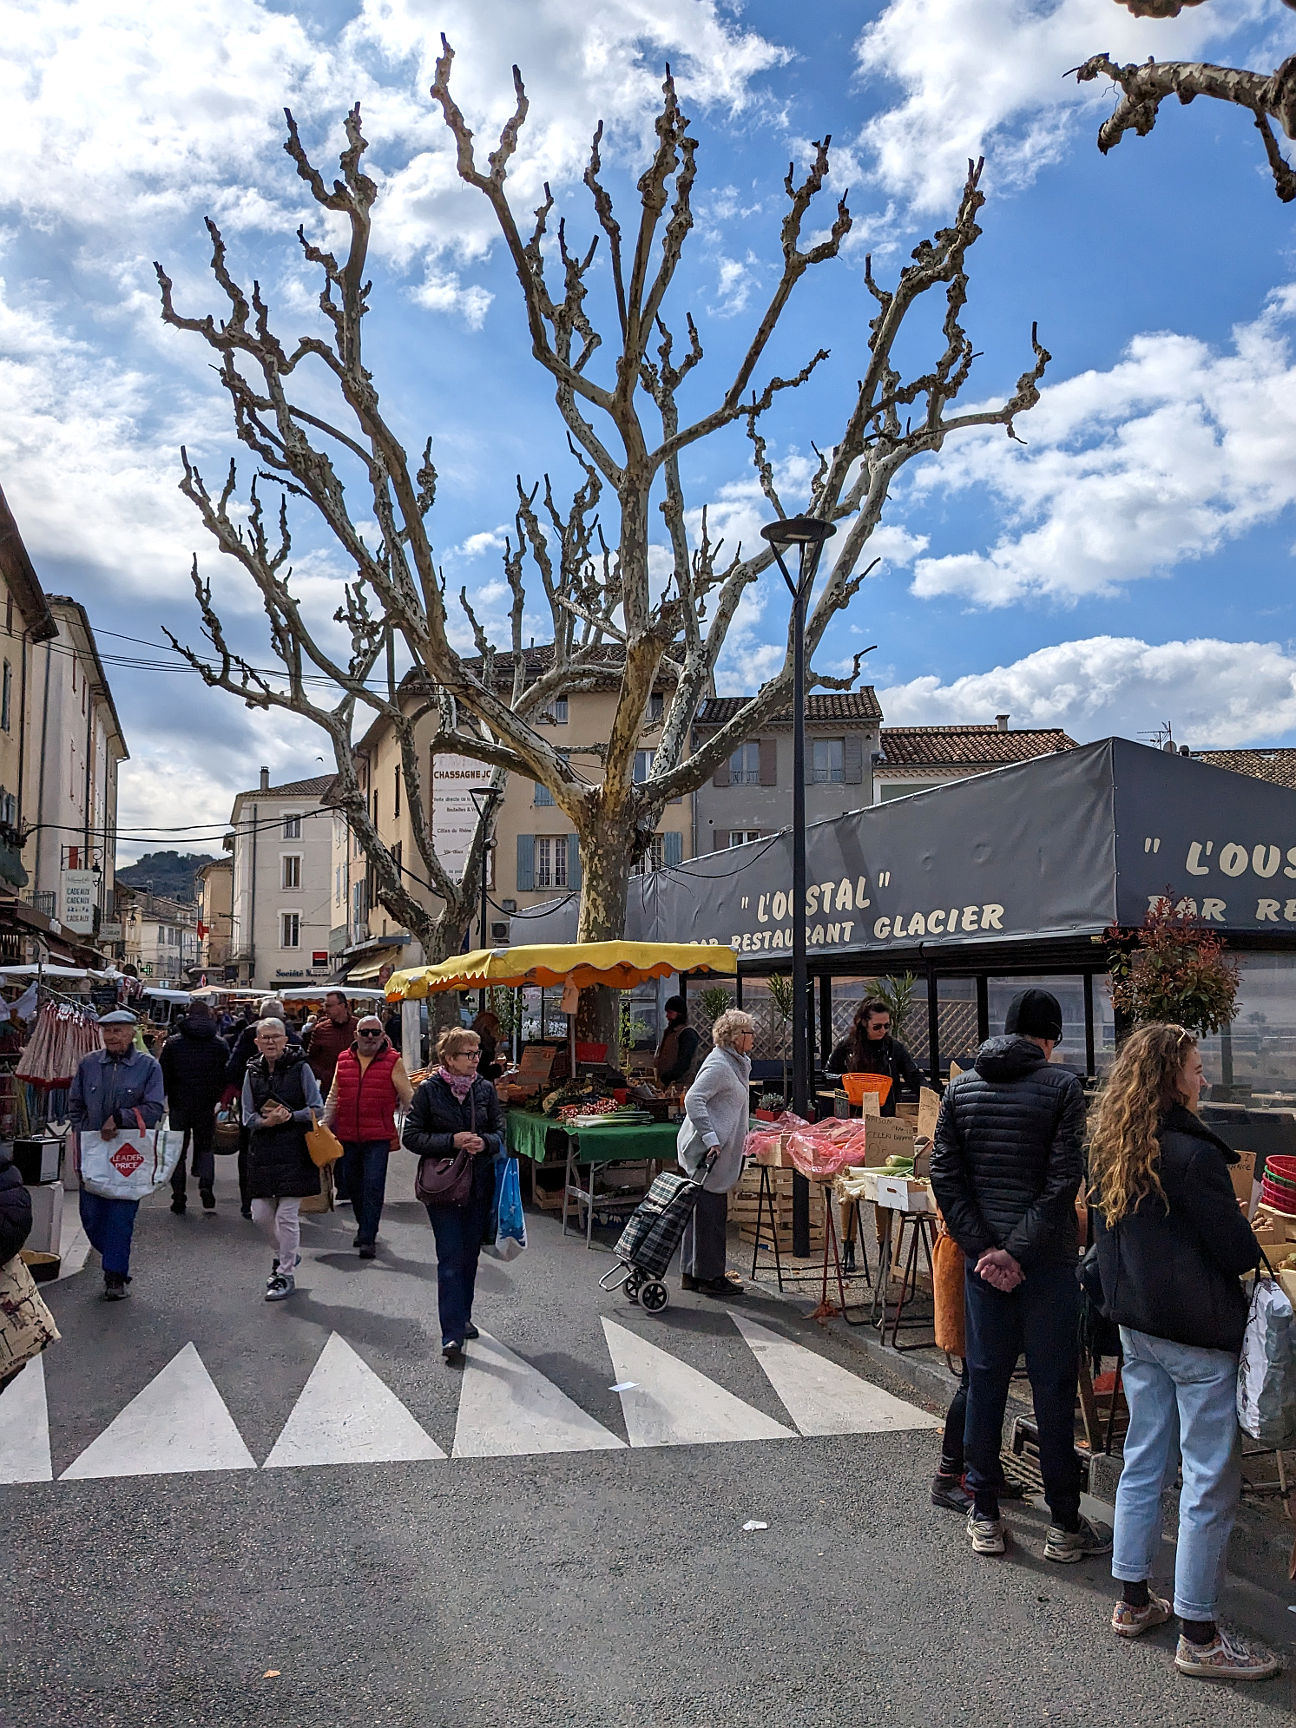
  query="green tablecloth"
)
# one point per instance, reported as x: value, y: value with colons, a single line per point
x: 613, y: 1144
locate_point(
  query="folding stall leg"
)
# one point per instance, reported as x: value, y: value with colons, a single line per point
x: 830, y: 1244
x: 920, y: 1238
x: 766, y: 1192
x: 882, y: 1289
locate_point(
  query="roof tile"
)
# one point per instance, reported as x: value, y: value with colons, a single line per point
x: 1277, y: 765
x: 859, y: 704
x: 911, y: 749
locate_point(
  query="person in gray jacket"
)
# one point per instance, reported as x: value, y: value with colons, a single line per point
x: 716, y: 1115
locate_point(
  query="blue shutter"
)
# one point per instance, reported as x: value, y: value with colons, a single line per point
x: 573, y: 862
x: 674, y: 852
x: 525, y: 862
x: 542, y: 794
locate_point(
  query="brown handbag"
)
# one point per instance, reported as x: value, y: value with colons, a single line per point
x: 447, y: 1181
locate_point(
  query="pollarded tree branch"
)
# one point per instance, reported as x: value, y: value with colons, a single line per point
x: 1143, y: 88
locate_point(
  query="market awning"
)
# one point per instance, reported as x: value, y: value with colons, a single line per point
x: 369, y: 968
x: 618, y: 965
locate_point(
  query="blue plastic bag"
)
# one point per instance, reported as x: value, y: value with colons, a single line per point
x: 510, y: 1225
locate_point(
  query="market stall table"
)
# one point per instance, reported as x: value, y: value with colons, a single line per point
x: 610, y: 1142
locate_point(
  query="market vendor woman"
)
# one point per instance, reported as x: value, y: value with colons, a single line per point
x: 870, y: 1049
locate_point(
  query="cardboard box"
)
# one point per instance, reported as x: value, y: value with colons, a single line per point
x: 1243, y: 1176
x: 928, y: 1110
x: 886, y: 1136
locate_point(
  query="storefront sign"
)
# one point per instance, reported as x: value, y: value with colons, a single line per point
x: 454, y: 815
x: 77, y: 907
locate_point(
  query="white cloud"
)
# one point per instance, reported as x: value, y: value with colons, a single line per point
x: 988, y: 77
x: 1215, y: 694
x: 1174, y: 451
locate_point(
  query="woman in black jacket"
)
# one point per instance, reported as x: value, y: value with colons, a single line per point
x: 281, y: 1097
x: 456, y: 1111
x: 1172, y: 1245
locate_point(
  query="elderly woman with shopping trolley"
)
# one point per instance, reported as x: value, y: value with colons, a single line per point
x: 716, y: 1116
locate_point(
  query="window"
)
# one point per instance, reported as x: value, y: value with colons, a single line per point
x: 542, y: 794
x: 396, y: 857
x: 290, y: 929
x: 555, y: 714
x: 292, y: 828
x: 656, y: 705
x: 826, y: 760
x: 654, y: 858
x: 337, y: 885
x: 396, y: 794
x: 744, y: 764
x: 291, y: 870
x: 6, y: 697
x: 741, y: 836
x: 551, y: 861
x: 643, y: 765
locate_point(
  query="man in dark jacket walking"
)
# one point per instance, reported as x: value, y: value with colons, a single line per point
x: 193, y: 1072
x: 15, y: 1224
x: 1006, y: 1168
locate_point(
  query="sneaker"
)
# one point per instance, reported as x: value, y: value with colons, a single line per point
x: 115, y: 1287
x: 178, y: 1204
x: 987, y: 1535
x: 208, y: 1199
x: 280, y: 1286
x: 1066, y: 1546
x: 471, y: 1332
x: 1226, y: 1657
x: 367, y: 1250
x: 948, y: 1491
x: 1128, y: 1622
x: 274, y: 1272
x: 452, y: 1354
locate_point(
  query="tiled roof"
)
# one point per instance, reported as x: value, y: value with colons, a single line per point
x: 916, y: 749
x: 315, y: 788
x: 1276, y: 765
x: 859, y: 704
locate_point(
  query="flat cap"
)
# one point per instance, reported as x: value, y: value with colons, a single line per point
x: 119, y: 1017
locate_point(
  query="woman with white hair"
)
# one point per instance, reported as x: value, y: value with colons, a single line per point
x: 280, y: 1094
x: 716, y: 1114
x: 268, y: 1008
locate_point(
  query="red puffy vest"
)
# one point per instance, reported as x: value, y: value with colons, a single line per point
x: 366, y: 1103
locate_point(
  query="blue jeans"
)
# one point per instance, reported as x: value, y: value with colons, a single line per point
x: 1039, y: 1317
x: 109, y: 1224
x: 458, y: 1231
x: 1178, y: 1393
x: 364, y: 1174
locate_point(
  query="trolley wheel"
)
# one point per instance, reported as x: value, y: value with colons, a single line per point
x: 630, y: 1288
x: 654, y: 1296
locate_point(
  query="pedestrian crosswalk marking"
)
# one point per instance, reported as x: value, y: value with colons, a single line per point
x: 347, y: 1415
x: 508, y: 1409
x: 819, y: 1396
x: 177, y: 1424
x: 24, y: 1427
x: 671, y: 1404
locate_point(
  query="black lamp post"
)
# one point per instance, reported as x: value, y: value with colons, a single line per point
x: 485, y: 798
x: 807, y: 533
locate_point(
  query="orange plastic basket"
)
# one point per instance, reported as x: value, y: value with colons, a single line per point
x: 856, y: 1085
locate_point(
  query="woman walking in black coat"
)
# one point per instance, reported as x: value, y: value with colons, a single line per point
x: 456, y: 1111
x: 280, y: 1094
x: 1172, y: 1245
x: 193, y: 1071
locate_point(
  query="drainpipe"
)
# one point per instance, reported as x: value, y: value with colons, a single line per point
x: 40, y: 783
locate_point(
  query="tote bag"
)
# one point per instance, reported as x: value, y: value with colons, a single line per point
x: 135, y: 1163
x: 1266, y: 1388
x: 26, y: 1324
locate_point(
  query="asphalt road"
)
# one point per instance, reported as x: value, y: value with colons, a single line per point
x: 596, y: 1589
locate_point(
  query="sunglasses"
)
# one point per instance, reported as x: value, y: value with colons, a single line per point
x: 370, y: 1032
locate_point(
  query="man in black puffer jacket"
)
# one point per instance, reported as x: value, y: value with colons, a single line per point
x: 15, y: 1208
x: 1006, y: 1167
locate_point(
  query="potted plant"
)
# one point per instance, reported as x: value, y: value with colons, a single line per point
x: 770, y: 1106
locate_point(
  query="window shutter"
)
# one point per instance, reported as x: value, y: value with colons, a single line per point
x: 809, y: 760
x: 769, y: 761
x: 721, y: 775
x: 573, y: 862
x: 853, y: 759
x: 674, y: 853
x: 525, y: 862
x: 719, y: 840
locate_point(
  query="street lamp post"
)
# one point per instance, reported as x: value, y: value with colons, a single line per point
x: 485, y: 798
x: 808, y: 533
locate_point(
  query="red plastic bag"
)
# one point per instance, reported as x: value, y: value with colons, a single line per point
x: 821, y: 1149
x: 763, y: 1143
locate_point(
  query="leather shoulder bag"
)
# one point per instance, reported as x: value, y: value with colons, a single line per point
x: 447, y: 1181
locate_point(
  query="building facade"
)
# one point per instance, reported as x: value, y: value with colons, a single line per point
x: 280, y: 891
x: 214, y: 884
x: 27, y: 622
x: 159, y: 937
x: 750, y: 795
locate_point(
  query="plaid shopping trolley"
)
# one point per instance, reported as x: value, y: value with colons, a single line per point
x: 647, y: 1245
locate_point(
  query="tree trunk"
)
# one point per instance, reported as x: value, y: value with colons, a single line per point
x: 606, y: 850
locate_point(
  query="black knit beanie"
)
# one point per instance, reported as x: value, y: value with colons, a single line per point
x: 1034, y: 1014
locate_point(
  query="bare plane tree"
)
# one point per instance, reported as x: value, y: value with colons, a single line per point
x: 1269, y: 97
x: 625, y: 427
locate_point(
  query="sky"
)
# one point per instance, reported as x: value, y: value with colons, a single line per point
x: 1126, y: 566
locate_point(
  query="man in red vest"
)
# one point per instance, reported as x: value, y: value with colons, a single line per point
x: 369, y: 1085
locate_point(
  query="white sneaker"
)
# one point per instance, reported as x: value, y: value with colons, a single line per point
x: 987, y: 1535
x: 1226, y: 1657
x: 280, y: 1286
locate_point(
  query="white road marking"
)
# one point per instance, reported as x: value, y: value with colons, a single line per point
x: 672, y: 1404
x: 822, y: 1398
x: 177, y: 1424
x: 24, y: 1428
x: 347, y: 1415
x: 507, y: 1409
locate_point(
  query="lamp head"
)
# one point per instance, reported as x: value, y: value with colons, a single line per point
x: 797, y: 531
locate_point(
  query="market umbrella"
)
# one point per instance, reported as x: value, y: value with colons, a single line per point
x: 619, y: 965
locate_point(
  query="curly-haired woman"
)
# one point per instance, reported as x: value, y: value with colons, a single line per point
x: 1172, y: 1246
x: 716, y: 1116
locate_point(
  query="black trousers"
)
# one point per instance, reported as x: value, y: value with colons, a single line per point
x: 200, y: 1136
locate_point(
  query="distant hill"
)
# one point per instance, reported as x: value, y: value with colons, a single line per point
x: 167, y: 873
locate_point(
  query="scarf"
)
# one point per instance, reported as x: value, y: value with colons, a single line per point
x: 460, y: 1084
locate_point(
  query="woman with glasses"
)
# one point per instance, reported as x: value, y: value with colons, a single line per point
x: 280, y: 1097
x: 716, y: 1114
x: 369, y: 1086
x: 455, y: 1110
x: 869, y: 1048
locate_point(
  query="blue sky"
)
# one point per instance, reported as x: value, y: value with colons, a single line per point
x: 1130, y: 564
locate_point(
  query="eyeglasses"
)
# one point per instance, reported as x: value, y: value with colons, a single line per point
x: 370, y: 1032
